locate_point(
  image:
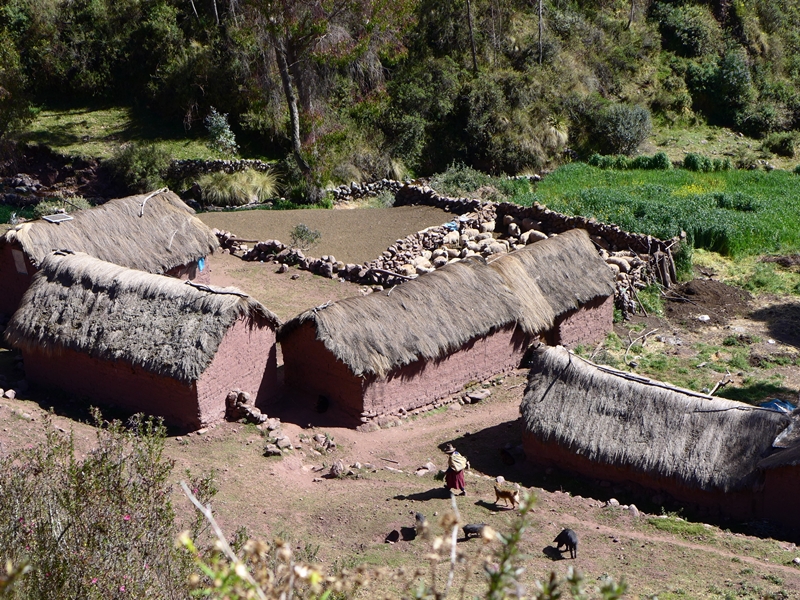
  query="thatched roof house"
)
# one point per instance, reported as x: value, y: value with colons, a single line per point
x: 142, y: 341
x: 156, y: 233
x: 425, y: 339
x: 617, y: 426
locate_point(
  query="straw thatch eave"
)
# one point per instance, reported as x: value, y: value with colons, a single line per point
x: 438, y: 313
x: 158, y: 323
x: 151, y: 232
x: 622, y: 420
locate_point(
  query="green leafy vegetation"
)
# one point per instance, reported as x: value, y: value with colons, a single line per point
x: 139, y: 168
x: 678, y: 526
x: 303, y: 237
x: 737, y: 213
x: 97, y: 526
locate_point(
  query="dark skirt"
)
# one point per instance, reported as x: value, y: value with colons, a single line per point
x: 454, y: 479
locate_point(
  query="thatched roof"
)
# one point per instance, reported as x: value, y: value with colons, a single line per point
x: 436, y: 314
x: 161, y: 324
x: 152, y: 233
x: 623, y: 420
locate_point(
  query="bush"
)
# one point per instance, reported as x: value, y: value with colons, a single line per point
x: 621, y: 128
x: 51, y: 207
x: 459, y: 180
x: 797, y: 170
x: 304, y: 237
x: 782, y: 144
x: 140, y: 168
x: 239, y: 188
x: 95, y: 527
x: 220, y: 136
x: 703, y: 164
x: 659, y: 161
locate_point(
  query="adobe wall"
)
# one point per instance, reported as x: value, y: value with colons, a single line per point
x: 310, y: 366
x: 586, y: 325
x: 116, y: 384
x: 423, y: 382
x: 13, y: 284
x: 737, y: 505
x: 246, y: 360
x: 781, y: 489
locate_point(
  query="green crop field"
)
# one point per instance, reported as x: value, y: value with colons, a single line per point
x: 736, y: 213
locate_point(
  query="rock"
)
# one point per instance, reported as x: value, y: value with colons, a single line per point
x: 613, y: 502
x: 624, y: 265
x: 202, y: 430
x: 244, y: 398
x: 283, y: 268
x: 796, y: 560
x: 407, y: 270
x: 284, y: 443
x: 337, y: 469
x: 478, y: 395
x: 451, y: 239
x: 455, y: 406
x: 421, y: 472
x: 368, y: 427
x: 10, y: 394
x: 634, y: 512
x: 532, y: 236
x: 273, y: 424
x: 272, y: 450
x: 326, y: 270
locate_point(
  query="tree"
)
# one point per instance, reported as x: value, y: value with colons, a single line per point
x: 312, y: 41
x: 14, y: 105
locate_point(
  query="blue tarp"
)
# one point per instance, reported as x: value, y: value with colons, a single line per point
x: 778, y: 405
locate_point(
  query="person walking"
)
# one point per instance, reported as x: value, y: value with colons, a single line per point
x: 454, y: 476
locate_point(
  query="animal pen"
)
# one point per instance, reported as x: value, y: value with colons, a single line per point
x: 157, y: 233
x: 727, y: 458
x: 424, y: 340
x: 142, y: 342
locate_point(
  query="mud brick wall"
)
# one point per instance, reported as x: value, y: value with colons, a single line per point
x: 586, y: 325
x: 116, y: 384
x: 246, y: 360
x: 13, y: 285
x: 310, y: 366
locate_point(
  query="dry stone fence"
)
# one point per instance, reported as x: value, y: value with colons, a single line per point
x: 478, y: 228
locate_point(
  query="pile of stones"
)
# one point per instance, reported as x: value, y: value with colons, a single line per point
x: 186, y: 168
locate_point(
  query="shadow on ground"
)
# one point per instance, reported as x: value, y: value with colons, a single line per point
x: 783, y: 322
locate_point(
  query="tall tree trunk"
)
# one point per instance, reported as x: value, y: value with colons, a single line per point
x: 472, y: 38
x: 633, y: 9
x: 291, y: 100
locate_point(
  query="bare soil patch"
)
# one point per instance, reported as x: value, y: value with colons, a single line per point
x: 715, y: 299
x: 352, y: 236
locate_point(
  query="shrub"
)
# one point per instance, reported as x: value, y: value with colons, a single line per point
x: 98, y: 526
x: 304, y: 237
x: 659, y: 161
x: 782, y: 144
x: 689, y: 30
x: 50, y: 207
x: 459, y: 180
x: 621, y: 128
x: 697, y: 162
x: 220, y: 136
x: 797, y: 170
x: 239, y: 188
x: 139, y: 168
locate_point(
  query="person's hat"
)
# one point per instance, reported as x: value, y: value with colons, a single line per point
x: 448, y: 449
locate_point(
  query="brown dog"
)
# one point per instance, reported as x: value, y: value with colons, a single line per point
x: 511, y: 496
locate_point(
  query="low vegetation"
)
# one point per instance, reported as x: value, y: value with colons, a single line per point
x: 239, y: 188
x: 733, y: 212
